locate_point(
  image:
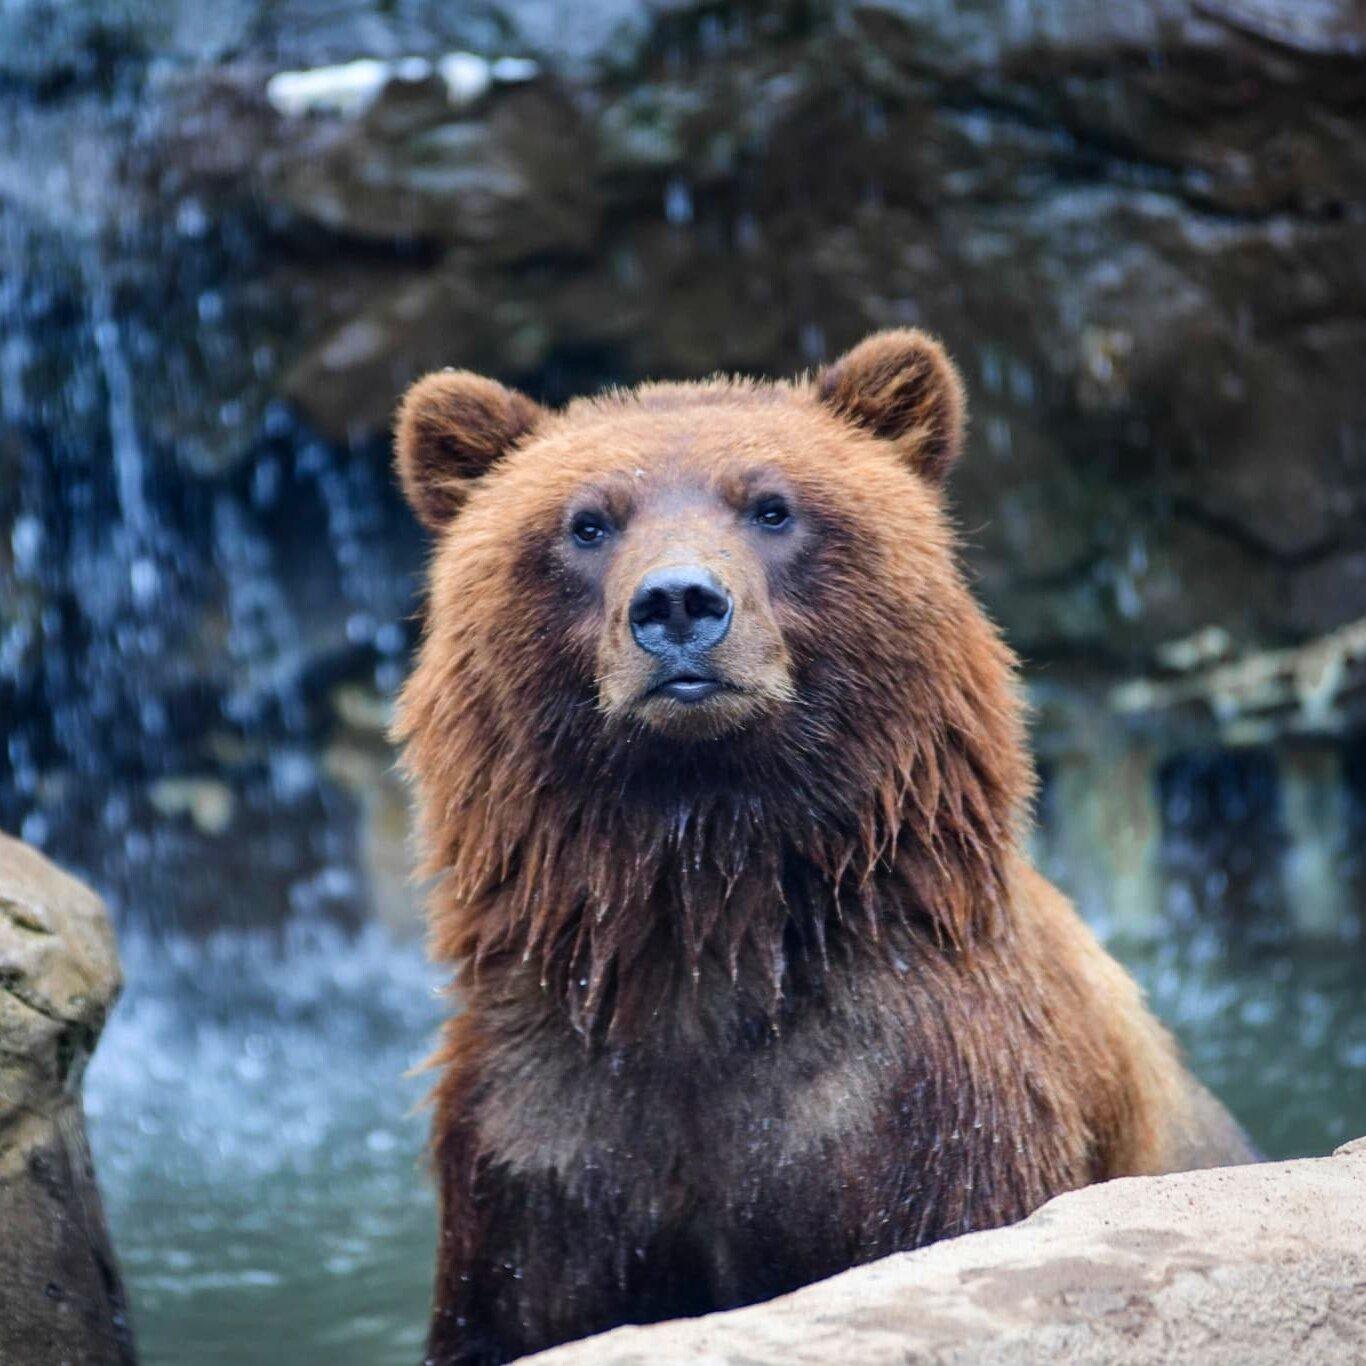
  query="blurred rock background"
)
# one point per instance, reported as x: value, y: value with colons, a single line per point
x: 231, y: 234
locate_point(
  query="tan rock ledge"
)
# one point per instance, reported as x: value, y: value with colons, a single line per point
x: 1246, y: 1265
x: 60, y: 1295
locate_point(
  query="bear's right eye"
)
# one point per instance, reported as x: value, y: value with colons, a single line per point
x: 589, y: 529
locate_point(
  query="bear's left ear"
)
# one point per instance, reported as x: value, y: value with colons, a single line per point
x: 451, y: 428
x: 903, y: 387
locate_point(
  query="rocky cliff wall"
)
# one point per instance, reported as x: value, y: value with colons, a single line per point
x: 237, y: 231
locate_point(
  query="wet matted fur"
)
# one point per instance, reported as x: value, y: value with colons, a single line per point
x: 760, y: 988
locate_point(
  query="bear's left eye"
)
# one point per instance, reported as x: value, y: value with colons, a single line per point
x: 589, y: 528
x: 772, y: 513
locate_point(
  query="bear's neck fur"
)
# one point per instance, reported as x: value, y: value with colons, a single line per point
x: 623, y: 895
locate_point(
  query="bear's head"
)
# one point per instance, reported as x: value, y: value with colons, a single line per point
x: 713, y: 627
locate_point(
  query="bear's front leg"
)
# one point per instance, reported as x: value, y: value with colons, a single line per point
x: 503, y: 1260
x: 529, y: 1258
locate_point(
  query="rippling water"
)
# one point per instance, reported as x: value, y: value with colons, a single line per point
x: 254, y: 1128
x: 253, y: 1122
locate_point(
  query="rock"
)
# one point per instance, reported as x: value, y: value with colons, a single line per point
x: 207, y: 802
x: 1244, y: 1265
x: 360, y: 761
x: 61, y: 1298
x: 1314, y: 688
x: 1141, y: 228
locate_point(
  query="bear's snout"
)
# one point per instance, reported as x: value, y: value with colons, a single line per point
x: 680, y: 612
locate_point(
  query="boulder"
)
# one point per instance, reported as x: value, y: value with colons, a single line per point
x: 1242, y: 1265
x: 61, y: 1299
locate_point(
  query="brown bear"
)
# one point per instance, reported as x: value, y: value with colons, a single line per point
x: 722, y: 774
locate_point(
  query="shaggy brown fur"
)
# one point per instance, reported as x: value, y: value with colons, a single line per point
x: 762, y: 987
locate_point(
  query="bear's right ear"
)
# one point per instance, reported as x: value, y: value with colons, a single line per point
x: 901, y: 386
x: 452, y: 427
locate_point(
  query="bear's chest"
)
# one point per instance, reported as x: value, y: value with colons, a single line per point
x: 726, y: 1174
x: 869, y: 1108
x: 681, y: 1117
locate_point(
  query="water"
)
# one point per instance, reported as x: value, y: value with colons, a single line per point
x: 254, y: 1129
x: 1277, y: 1032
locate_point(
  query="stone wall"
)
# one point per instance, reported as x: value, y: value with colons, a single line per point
x: 238, y: 230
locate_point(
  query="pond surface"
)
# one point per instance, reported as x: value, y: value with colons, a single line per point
x: 259, y: 1146
x: 254, y: 1128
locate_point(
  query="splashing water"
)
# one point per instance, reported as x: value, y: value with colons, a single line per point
x: 253, y: 1119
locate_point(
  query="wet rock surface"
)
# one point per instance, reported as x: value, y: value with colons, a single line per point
x: 61, y: 1298
x: 1259, y: 1264
x: 1141, y: 227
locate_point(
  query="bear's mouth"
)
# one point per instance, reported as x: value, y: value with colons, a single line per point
x: 687, y: 687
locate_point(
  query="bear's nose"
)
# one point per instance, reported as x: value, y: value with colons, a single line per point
x: 681, y: 608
